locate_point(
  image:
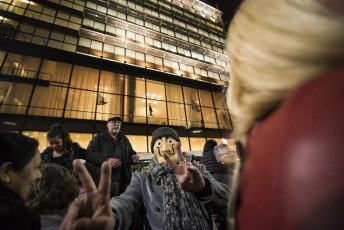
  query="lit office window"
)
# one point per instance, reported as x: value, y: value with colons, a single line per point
x: 111, y: 82
x: 134, y: 86
x: 174, y: 93
x: 48, y: 101
x: 138, y: 143
x: 209, y: 118
x: 224, y: 120
x: 155, y: 90
x: 197, y: 143
x: 206, y: 99
x: 134, y: 110
x: 21, y: 66
x: 219, y: 100
x: 176, y: 114
x: 156, y: 112
x: 84, y: 78
x: 81, y: 104
x: 55, y: 71
x: 15, y: 97
x: 193, y: 114
x: 108, y: 105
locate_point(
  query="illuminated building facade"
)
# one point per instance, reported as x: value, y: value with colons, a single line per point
x: 152, y: 62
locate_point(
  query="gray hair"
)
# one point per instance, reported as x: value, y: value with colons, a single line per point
x: 218, y: 151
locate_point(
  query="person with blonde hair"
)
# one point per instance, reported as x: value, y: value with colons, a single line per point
x: 286, y: 97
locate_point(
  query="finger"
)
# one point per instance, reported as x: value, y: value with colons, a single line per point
x: 85, y: 178
x: 70, y: 217
x: 169, y: 161
x: 105, y: 179
x: 94, y: 224
x: 179, y: 152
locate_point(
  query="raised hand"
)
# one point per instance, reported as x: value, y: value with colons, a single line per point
x: 136, y: 158
x: 189, y: 177
x: 93, y: 210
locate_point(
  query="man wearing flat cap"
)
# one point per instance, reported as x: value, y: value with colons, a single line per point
x: 113, y: 146
x: 172, y: 194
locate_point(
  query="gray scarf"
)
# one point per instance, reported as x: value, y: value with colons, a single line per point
x: 181, y: 210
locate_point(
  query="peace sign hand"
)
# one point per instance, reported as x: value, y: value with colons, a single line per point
x: 189, y: 177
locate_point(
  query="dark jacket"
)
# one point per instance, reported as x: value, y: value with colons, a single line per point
x: 77, y: 152
x: 14, y: 214
x: 104, y: 146
x: 144, y: 195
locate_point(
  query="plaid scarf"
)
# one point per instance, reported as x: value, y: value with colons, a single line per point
x: 181, y: 210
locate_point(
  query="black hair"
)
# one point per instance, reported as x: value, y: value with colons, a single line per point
x: 17, y: 149
x: 57, y: 130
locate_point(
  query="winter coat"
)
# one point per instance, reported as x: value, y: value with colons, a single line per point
x: 102, y: 147
x: 77, y: 151
x: 144, y: 198
x: 14, y: 214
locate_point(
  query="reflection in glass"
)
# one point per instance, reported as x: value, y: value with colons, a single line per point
x: 206, y: 99
x: 197, y: 143
x: 14, y: 97
x: 84, y: 78
x: 190, y: 95
x: 81, y: 104
x: 111, y: 82
x: 21, y: 66
x: 156, y: 111
x: 224, y: 120
x: 176, y: 114
x: 55, y: 71
x: 134, y: 110
x: 219, y: 100
x: 174, y: 93
x: 108, y: 105
x: 135, y: 86
x: 48, y: 101
x: 209, y: 117
x: 194, y: 118
x: 139, y: 143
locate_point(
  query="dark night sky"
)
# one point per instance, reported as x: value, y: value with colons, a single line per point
x: 228, y: 7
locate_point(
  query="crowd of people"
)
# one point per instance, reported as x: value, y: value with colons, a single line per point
x: 286, y: 99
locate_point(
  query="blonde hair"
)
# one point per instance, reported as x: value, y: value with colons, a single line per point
x: 275, y: 46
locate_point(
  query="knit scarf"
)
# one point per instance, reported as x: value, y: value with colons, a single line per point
x: 181, y: 210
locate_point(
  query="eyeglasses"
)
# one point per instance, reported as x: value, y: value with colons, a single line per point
x: 115, y: 122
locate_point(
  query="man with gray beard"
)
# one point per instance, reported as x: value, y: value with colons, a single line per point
x: 113, y: 146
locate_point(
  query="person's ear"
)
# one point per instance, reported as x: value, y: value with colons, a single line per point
x: 5, y: 170
x: 220, y: 157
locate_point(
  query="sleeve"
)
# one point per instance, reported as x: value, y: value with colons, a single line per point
x: 93, y: 152
x: 80, y: 151
x: 44, y: 155
x: 131, y: 153
x: 220, y: 192
x: 128, y: 204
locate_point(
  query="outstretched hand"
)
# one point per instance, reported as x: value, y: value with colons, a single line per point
x: 189, y: 177
x: 93, y: 210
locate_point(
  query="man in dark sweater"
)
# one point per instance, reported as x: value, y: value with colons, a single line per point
x: 113, y: 146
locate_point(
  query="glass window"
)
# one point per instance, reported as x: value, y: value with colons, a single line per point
x: 209, y: 118
x: 82, y: 138
x: 224, y: 120
x: 174, y: 93
x: 55, y: 71
x: 15, y: 97
x: 190, y: 95
x: 155, y: 90
x: 109, y: 105
x: 197, y: 143
x: 156, y: 111
x: 135, y: 86
x: 206, y: 99
x: 134, y: 110
x: 184, y: 141
x: 176, y: 114
x: 194, y: 117
x: 139, y: 143
x: 81, y: 104
x: 84, y: 78
x: 111, y: 82
x: 48, y: 101
x: 219, y: 100
x: 21, y: 66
